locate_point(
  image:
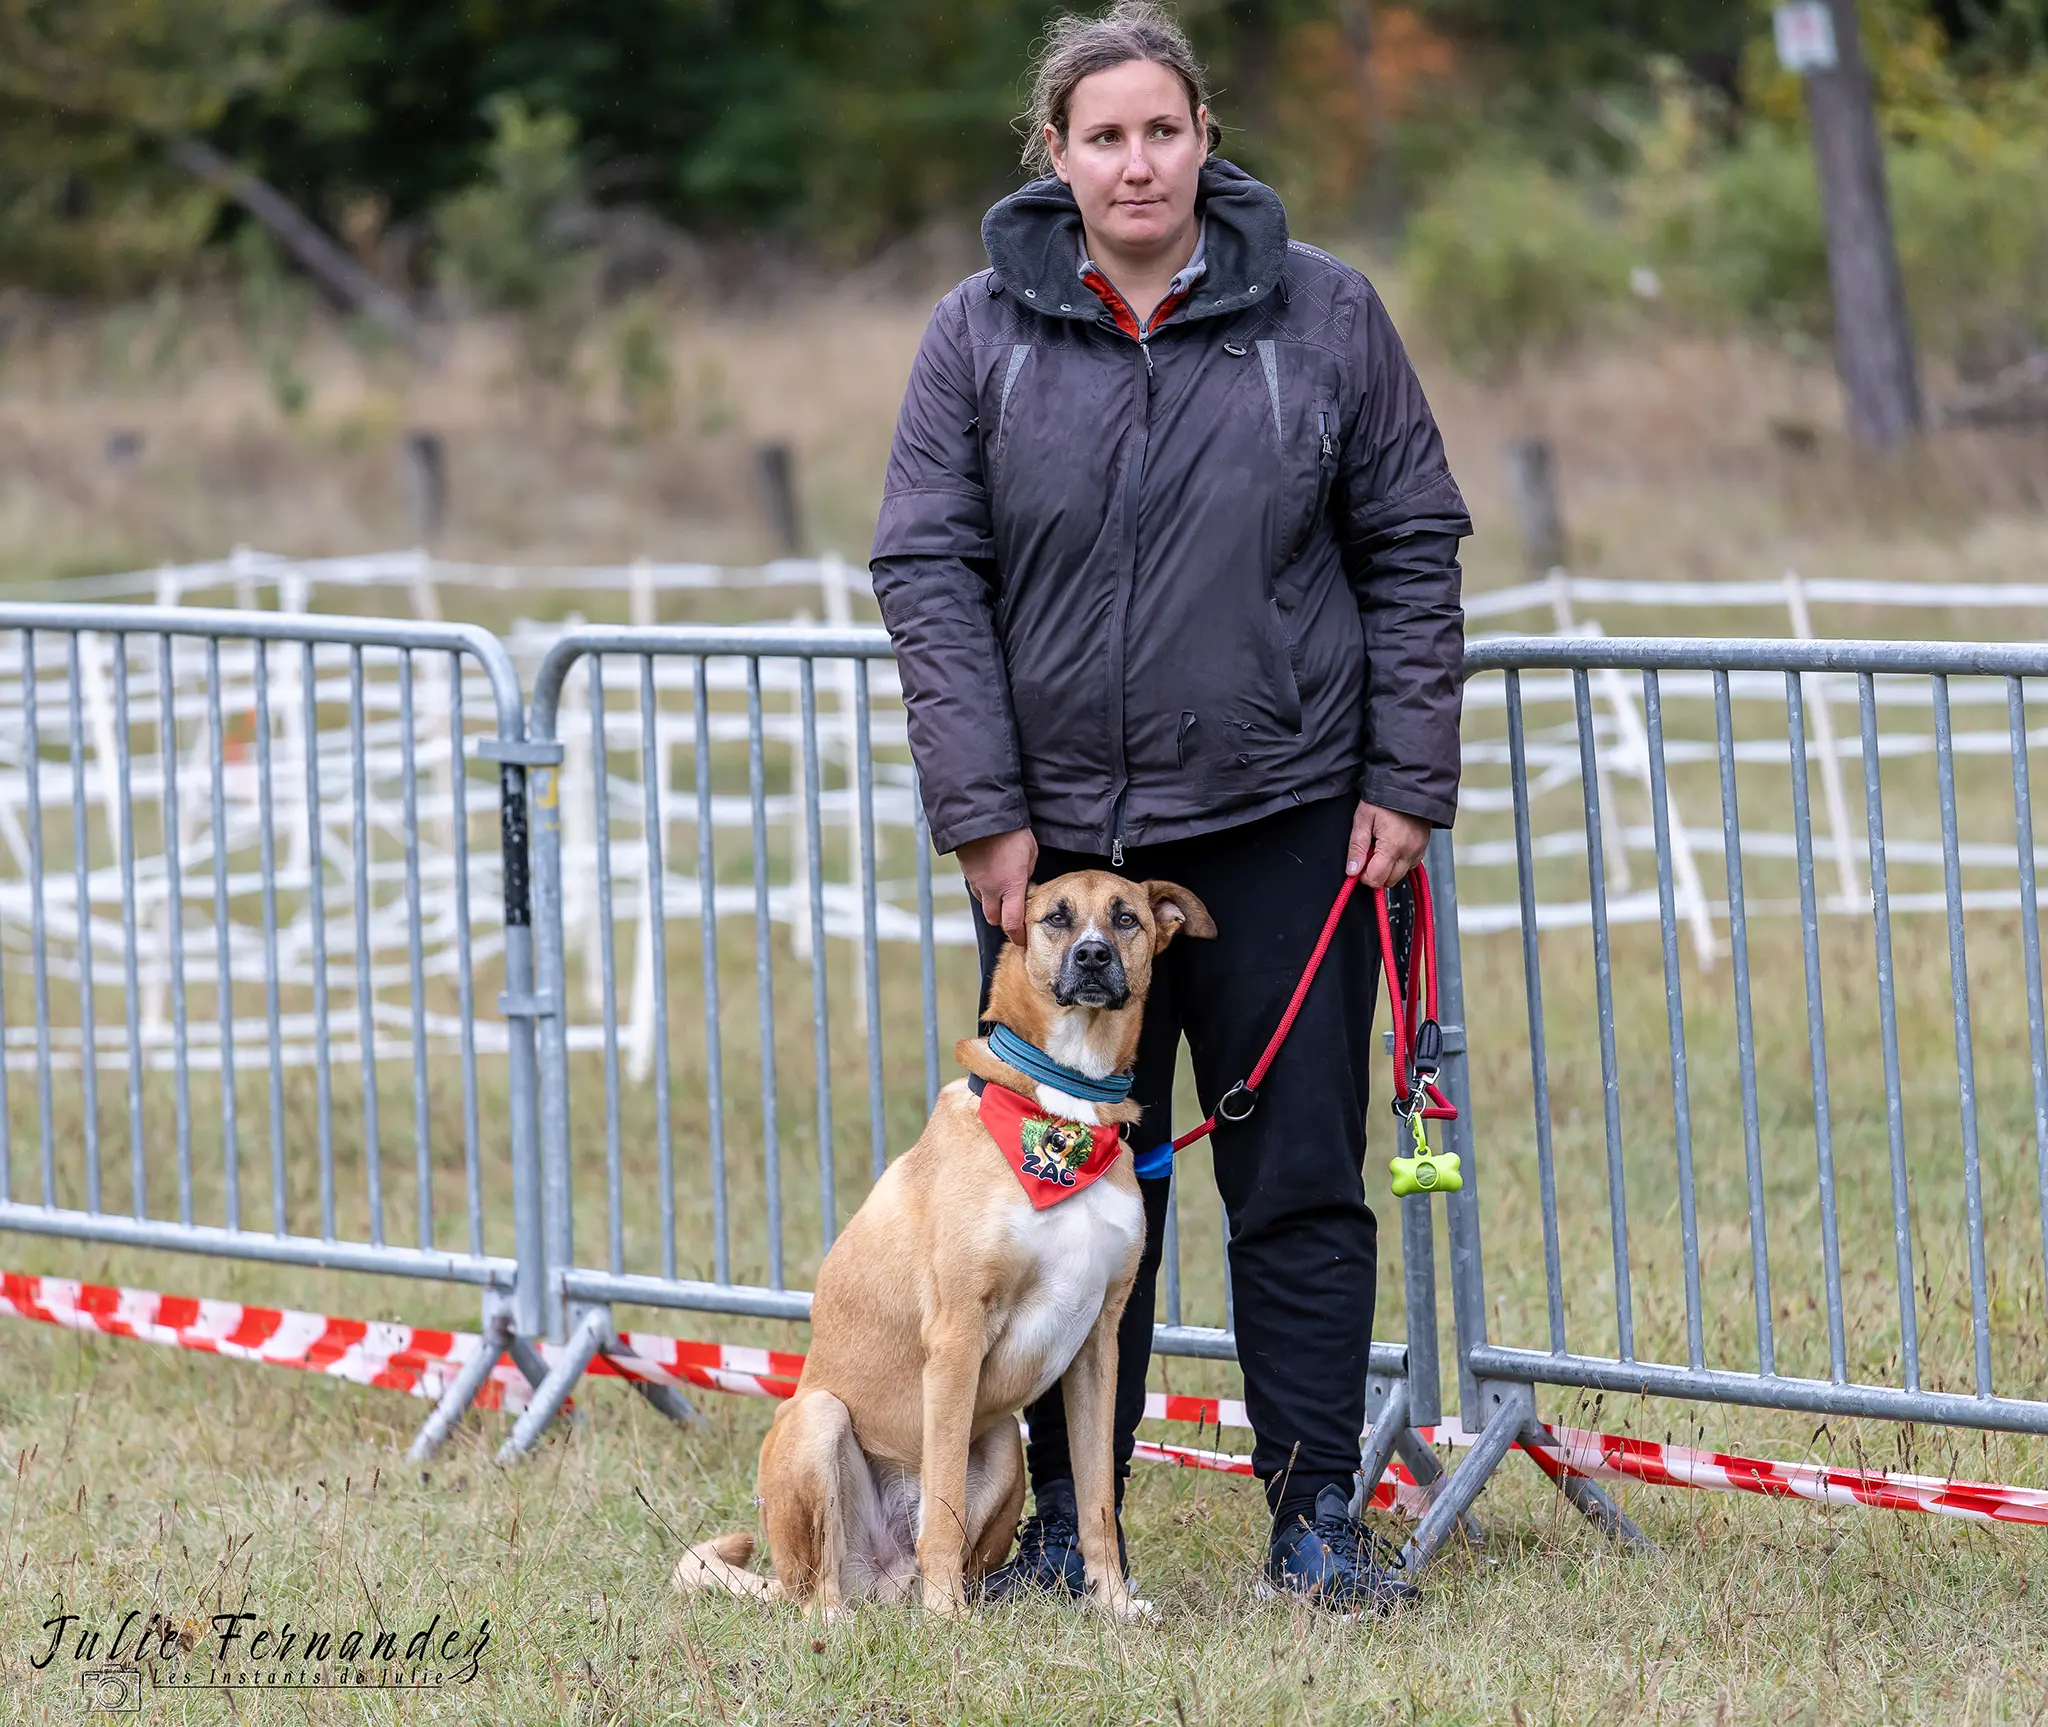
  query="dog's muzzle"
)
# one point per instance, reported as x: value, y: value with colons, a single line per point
x: 1092, y: 975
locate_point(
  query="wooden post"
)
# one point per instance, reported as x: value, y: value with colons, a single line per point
x: 1874, y: 352
x: 778, y: 498
x: 426, y: 484
x: 1532, y: 484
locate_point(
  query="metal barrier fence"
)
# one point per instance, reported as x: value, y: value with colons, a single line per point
x: 287, y: 765
x: 1950, y: 1219
x: 272, y: 913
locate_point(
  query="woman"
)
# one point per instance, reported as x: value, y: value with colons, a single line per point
x: 1168, y: 553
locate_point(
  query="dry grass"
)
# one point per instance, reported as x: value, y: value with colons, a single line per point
x: 154, y: 1481
x: 150, y: 1480
x: 1693, y: 459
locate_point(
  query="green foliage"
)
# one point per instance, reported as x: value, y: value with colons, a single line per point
x: 274, y: 309
x: 90, y: 91
x: 1512, y: 262
x: 850, y: 122
x: 1973, y: 244
x: 496, y: 247
x: 646, y: 376
x: 1553, y: 44
x: 1739, y: 239
x: 1508, y: 262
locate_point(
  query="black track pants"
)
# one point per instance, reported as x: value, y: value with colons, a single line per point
x: 1304, y: 1245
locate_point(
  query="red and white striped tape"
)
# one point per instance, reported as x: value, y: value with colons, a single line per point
x: 1611, y: 1457
x: 422, y: 1361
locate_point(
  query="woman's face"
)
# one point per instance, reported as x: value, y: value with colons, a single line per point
x: 1132, y: 155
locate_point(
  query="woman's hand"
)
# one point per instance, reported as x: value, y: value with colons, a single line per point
x: 998, y: 871
x: 1385, y: 844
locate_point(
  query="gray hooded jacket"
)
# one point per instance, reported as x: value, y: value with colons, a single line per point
x: 1141, y: 590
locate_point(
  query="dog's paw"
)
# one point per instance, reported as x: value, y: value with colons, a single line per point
x: 1123, y: 1606
x: 944, y: 1603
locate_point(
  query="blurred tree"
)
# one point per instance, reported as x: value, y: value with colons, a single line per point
x: 1995, y: 35
x: 91, y: 92
x: 1586, y: 43
x: 844, y: 122
x: 848, y: 120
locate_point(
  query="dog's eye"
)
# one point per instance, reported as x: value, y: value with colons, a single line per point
x: 1126, y: 920
x: 1058, y: 918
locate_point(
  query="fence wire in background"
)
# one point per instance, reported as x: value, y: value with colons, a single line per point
x: 838, y: 590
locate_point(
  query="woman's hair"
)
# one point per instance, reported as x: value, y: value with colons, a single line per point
x: 1075, y: 47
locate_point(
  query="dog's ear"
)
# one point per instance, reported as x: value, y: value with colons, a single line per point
x: 1175, y: 909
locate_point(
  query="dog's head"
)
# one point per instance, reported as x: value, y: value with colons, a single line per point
x: 1090, y: 940
x: 1091, y: 936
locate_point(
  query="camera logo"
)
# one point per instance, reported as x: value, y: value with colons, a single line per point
x: 114, y: 1690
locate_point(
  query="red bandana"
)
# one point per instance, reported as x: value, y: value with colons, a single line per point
x: 1054, y: 1158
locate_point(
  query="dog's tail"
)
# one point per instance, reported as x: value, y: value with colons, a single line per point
x: 721, y: 1564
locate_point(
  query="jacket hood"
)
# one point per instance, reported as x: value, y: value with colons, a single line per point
x: 1034, y: 244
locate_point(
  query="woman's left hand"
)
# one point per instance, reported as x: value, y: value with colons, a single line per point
x: 1385, y: 844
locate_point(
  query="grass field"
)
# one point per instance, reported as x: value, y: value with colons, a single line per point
x: 151, y: 1481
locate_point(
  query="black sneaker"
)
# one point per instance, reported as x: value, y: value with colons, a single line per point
x: 1048, y: 1558
x: 1335, y: 1561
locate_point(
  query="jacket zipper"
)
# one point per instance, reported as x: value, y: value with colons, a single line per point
x: 1120, y: 604
x: 1326, y: 465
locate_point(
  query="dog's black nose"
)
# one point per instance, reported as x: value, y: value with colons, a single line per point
x: 1093, y: 955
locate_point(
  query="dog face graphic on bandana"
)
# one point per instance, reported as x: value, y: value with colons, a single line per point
x: 1055, y: 1150
x: 1054, y: 1158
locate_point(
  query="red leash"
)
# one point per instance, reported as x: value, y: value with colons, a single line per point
x: 1415, y: 1065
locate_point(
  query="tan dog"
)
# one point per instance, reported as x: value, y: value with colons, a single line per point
x: 950, y: 1302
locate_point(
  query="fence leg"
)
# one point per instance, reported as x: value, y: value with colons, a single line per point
x: 1454, y: 1498
x: 532, y: 1365
x: 1584, y: 1496
x: 461, y: 1393
x: 549, y: 1395
x: 1389, y: 1423
x: 668, y: 1400
x: 1429, y: 1474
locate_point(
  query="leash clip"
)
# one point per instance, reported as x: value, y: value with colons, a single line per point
x: 1232, y: 1110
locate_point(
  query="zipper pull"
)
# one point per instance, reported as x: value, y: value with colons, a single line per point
x: 1329, y: 444
x: 1116, y: 852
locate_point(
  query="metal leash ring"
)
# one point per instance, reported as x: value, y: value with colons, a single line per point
x: 1241, y: 1111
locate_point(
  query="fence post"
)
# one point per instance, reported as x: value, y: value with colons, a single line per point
x: 551, y: 1004
x: 1461, y: 1209
x: 520, y: 1006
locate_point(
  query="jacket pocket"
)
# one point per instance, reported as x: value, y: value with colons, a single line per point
x: 1287, y: 678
